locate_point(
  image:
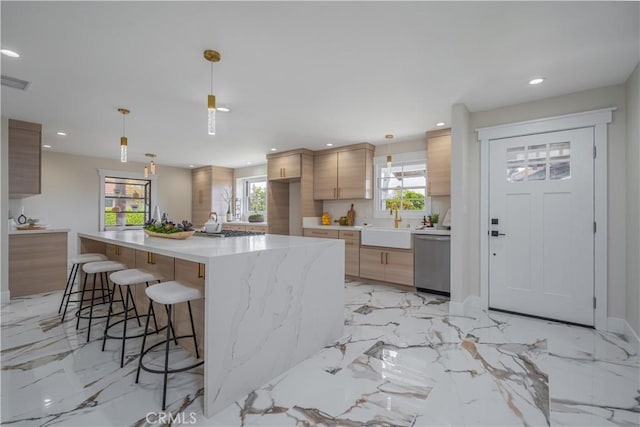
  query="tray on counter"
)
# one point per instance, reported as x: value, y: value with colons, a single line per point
x: 180, y: 235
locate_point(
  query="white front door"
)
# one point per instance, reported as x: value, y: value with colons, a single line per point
x: 541, y: 243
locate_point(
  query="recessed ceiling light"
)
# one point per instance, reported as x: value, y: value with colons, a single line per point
x: 536, y: 81
x: 223, y: 109
x: 274, y: 149
x: 192, y: 166
x: 46, y: 146
x: 10, y: 53
x: 329, y: 145
x: 440, y: 124
x: 249, y: 163
x: 61, y: 133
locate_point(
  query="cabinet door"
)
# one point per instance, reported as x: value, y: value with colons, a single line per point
x: 399, y: 267
x: 372, y: 263
x: 351, y: 257
x: 325, y: 176
x: 161, y: 264
x: 234, y: 227
x: 24, y: 158
x: 439, y: 165
x: 121, y: 254
x: 354, y: 181
x: 283, y: 167
x: 258, y: 228
x: 190, y: 274
x: 201, y: 196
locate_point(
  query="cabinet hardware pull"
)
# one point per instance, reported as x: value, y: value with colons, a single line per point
x: 381, y: 259
x: 386, y: 257
x: 334, y: 193
x: 338, y: 192
x: 284, y: 172
x: 148, y: 257
x: 200, y: 270
x: 199, y: 197
x: 117, y: 250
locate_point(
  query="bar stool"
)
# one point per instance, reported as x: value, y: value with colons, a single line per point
x: 76, y: 262
x: 169, y: 294
x: 102, y: 268
x: 127, y: 278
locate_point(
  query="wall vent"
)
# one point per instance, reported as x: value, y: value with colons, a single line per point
x: 15, y: 83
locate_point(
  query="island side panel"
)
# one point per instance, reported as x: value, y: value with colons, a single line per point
x: 266, y: 312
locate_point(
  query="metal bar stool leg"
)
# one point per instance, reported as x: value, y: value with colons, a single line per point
x: 166, y: 357
x: 104, y: 338
x: 93, y: 293
x: 170, y: 325
x: 144, y: 340
x: 68, y: 294
x: 84, y: 286
x: 124, y: 330
x: 69, y: 285
x: 133, y: 303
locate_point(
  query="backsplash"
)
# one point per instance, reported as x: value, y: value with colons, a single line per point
x: 364, y: 211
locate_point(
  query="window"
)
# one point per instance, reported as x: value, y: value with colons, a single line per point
x: 404, y: 186
x: 539, y: 162
x: 125, y: 200
x: 254, y: 197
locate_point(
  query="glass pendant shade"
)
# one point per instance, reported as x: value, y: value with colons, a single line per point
x: 389, y: 163
x: 211, y: 108
x: 146, y: 172
x: 153, y: 168
x: 123, y: 149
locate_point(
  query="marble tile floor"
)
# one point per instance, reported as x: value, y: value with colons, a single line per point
x: 403, y: 361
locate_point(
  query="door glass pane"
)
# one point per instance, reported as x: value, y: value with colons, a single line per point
x: 537, y: 172
x: 515, y: 154
x: 537, y: 152
x: 560, y: 170
x: 560, y: 151
x: 516, y: 173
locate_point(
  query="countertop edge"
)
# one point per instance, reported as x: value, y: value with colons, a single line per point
x: 46, y: 230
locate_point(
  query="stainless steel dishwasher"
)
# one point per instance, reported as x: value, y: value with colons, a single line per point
x: 431, y: 261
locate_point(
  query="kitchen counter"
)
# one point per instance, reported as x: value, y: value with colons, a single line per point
x: 270, y: 302
x: 430, y: 230
x: 46, y: 230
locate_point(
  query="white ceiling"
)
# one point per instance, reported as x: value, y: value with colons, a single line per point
x: 295, y: 74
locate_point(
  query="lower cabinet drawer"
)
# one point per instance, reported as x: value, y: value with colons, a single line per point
x: 327, y: 234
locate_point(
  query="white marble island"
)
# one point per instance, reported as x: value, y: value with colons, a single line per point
x: 270, y: 302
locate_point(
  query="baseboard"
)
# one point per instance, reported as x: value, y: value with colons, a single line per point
x: 468, y: 307
x: 5, y: 297
x: 632, y: 336
x: 615, y: 325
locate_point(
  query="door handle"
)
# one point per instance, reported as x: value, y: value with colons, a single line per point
x: 496, y: 233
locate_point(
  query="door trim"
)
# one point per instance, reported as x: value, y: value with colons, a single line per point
x: 598, y: 119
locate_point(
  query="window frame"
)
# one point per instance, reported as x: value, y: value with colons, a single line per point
x: 104, y: 173
x: 242, y: 188
x: 379, y: 163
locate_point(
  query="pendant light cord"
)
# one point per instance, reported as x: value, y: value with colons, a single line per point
x: 211, y: 88
x: 123, y: 125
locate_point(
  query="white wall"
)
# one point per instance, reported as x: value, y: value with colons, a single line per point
x: 70, y: 192
x: 4, y: 211
x: 632, y: 313
x: 611, y: 96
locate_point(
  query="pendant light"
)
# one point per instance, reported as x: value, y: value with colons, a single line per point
x: 152, y: 166
x: 389, y: 137
x: 211, y: 56
x: 123, y: 139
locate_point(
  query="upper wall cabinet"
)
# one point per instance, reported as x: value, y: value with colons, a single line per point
x: 439, y: 162
x: 25, y: 158
x: 343, y: 173
x: 283, y: 166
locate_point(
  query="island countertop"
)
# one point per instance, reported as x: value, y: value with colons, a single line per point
x: 199, y: 248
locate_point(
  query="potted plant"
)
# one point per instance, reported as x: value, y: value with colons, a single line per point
x: 256, y: 217
x: 434, y: 218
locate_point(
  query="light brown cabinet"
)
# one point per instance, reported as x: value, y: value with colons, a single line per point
x: 351, y: 252
x: 25, y: 159
x: 386, y: 264
x: 327, y: 234
x: 439, y: 163
x: 37, y: 263
x: 290, y: 198
x: 207, y: 186
x: 121, y: 254
x: 283, y: 167
x: 234, y: 227
x: 257, y: 228
x: 343, y: 173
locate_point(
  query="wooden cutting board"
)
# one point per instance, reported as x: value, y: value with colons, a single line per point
x: 351, y: 216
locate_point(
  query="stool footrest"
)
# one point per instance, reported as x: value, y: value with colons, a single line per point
x: 170, y: 371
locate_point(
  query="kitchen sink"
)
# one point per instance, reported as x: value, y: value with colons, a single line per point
x: 400, y: 238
